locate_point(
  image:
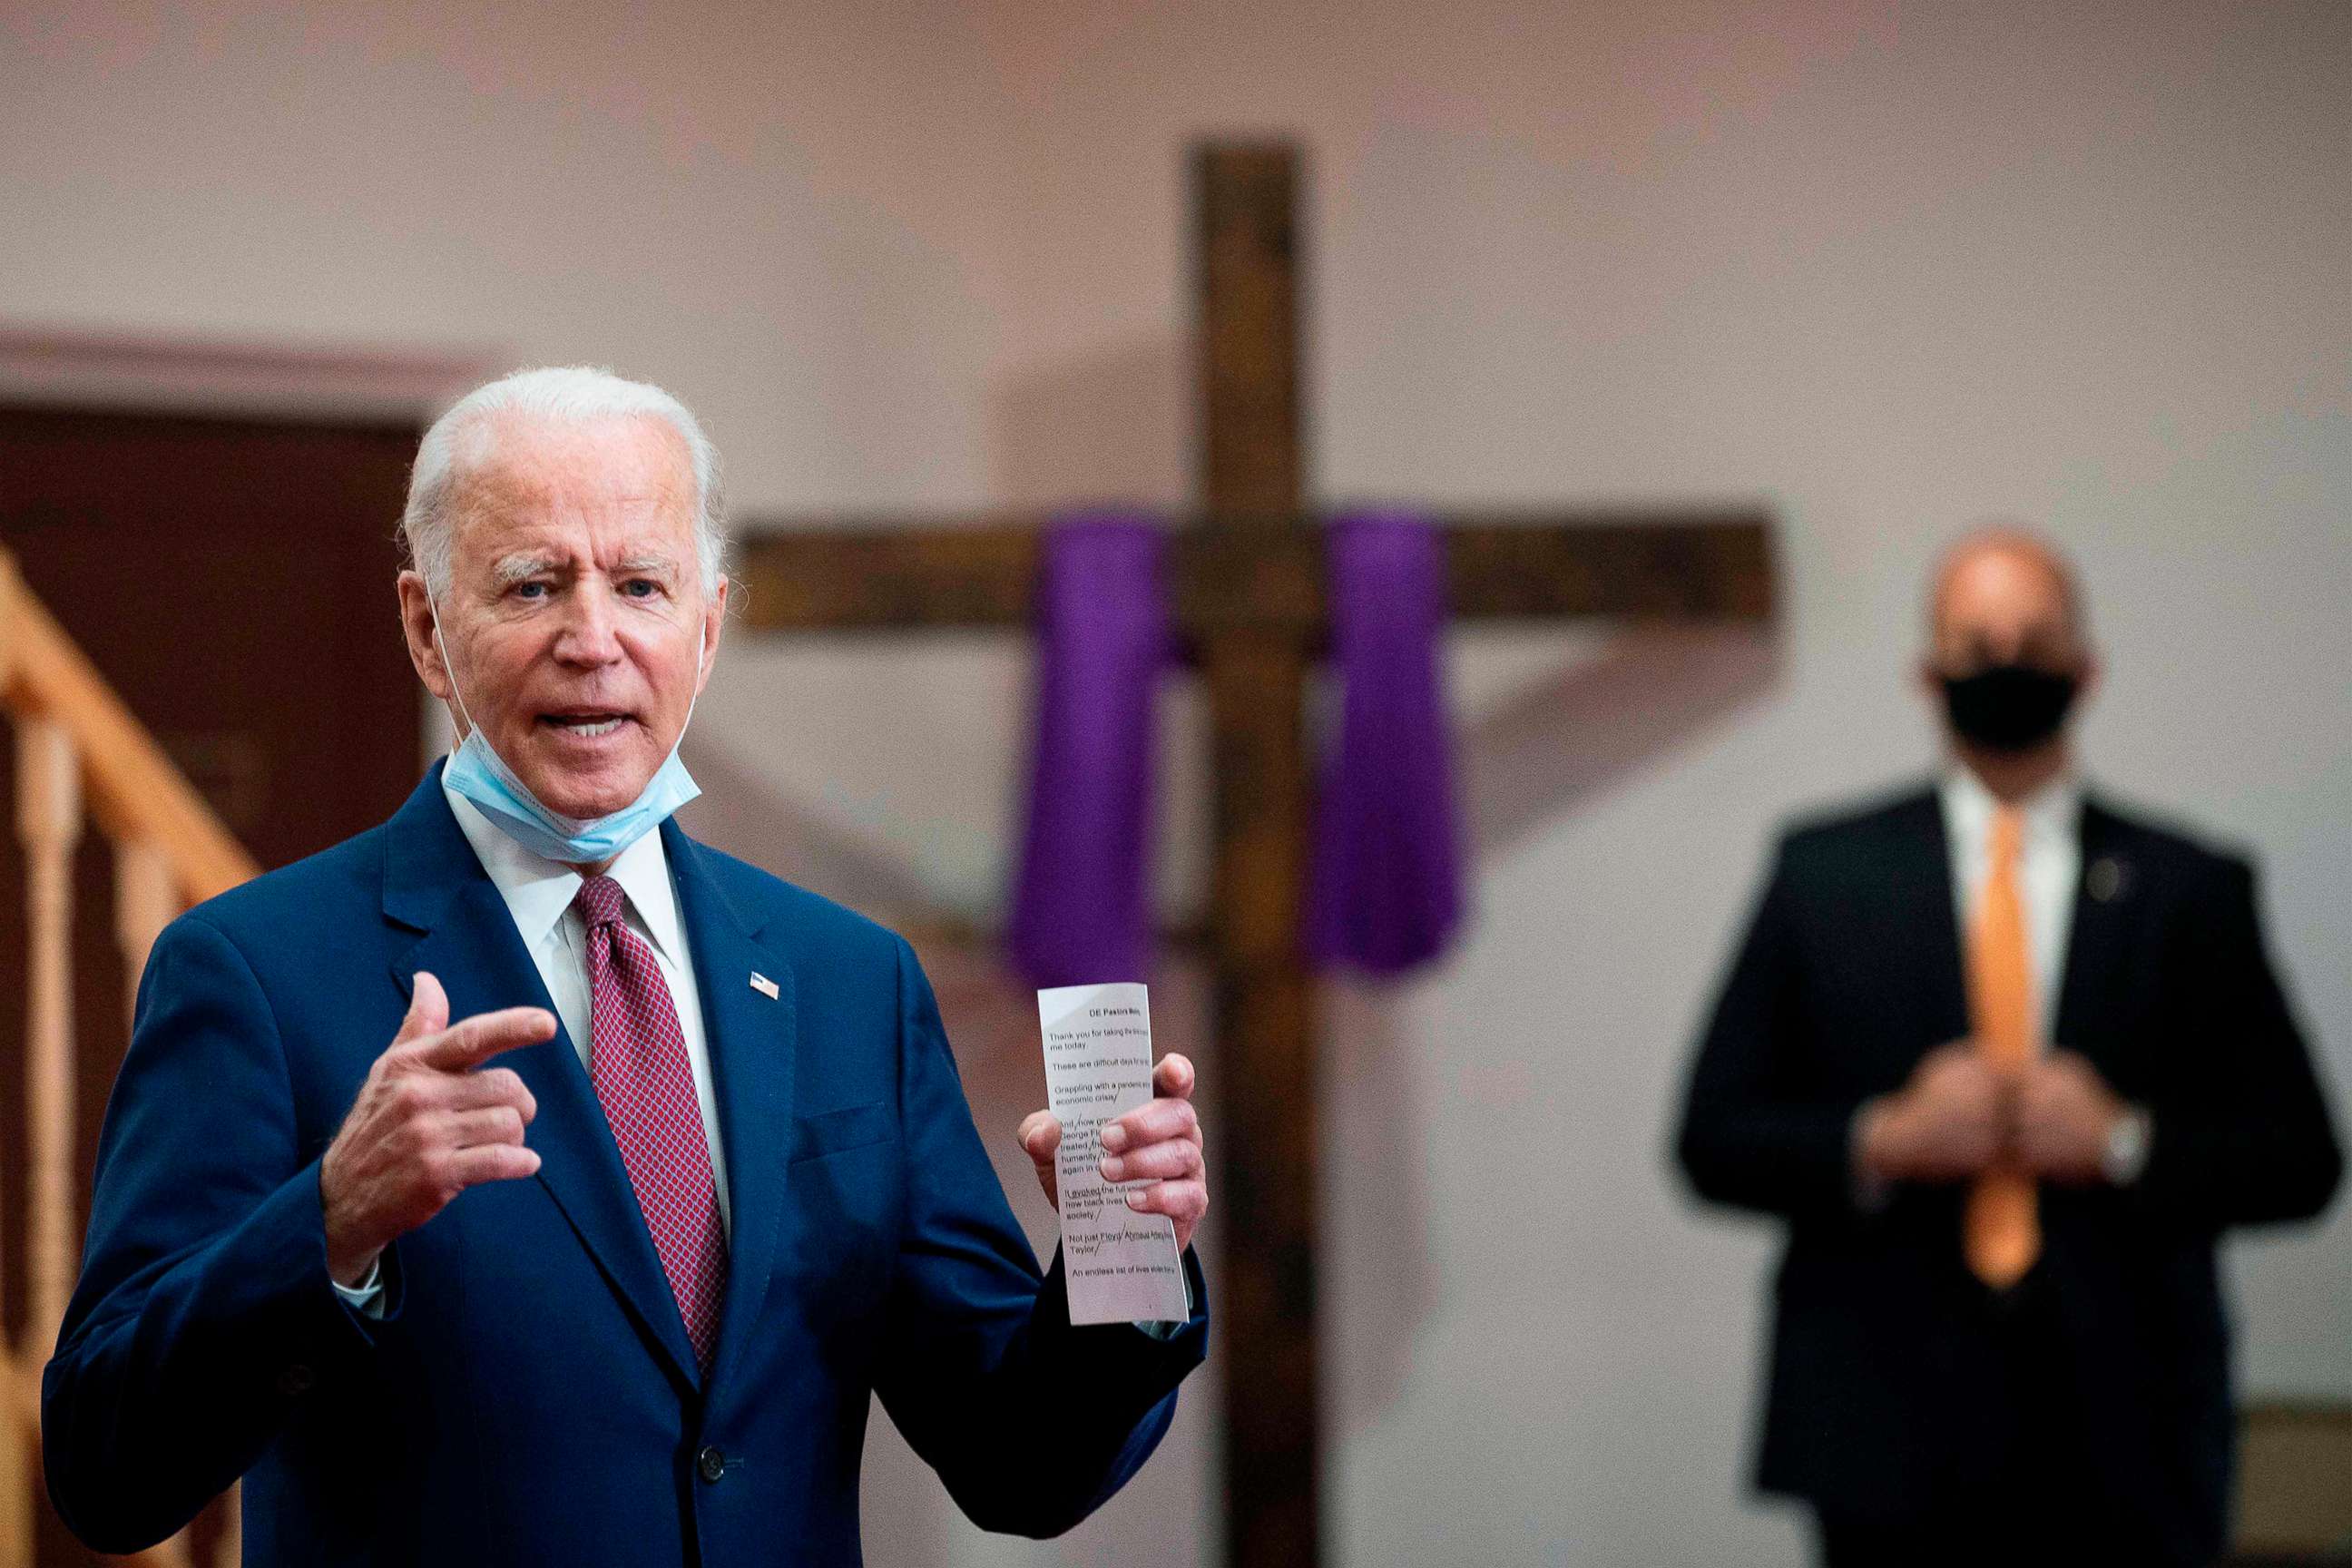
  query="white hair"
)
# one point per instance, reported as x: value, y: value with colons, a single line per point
x: 464, y: 436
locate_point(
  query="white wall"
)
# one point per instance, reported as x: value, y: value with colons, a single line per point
x: 1892, y: 271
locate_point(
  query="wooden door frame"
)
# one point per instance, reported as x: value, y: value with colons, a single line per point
x: 232, y: 378
x: 134, y: 372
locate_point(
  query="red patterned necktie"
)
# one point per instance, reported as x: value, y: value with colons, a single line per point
x: 637, y: 1058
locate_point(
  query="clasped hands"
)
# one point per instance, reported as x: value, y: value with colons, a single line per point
x: 433, y: 1120
x: 1959, y: 1116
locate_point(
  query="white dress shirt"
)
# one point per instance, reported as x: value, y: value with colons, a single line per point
x: 2050, y: 866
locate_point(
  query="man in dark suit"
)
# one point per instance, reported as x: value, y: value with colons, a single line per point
x: 607, y: 1271
x: 2007, y: 1060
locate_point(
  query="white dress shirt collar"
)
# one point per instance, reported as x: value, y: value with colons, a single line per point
x: 538, y: 890
x: 2050, y: 815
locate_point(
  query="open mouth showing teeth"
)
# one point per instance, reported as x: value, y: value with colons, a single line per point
x: 587, y: 724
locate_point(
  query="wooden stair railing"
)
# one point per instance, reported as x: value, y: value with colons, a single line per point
x: 80, y: 755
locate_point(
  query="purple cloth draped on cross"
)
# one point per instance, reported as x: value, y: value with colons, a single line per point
x: 1082, y: 907
x: 1384, y: 894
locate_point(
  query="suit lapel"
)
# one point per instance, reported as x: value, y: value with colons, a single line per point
x: 2106, y: 912
x: 752, y: 1040
x: 1922, y: 879
x: 435, y: 884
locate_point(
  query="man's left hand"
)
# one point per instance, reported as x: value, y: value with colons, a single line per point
x: 1158, y: 1142
x: 2065, y: 1112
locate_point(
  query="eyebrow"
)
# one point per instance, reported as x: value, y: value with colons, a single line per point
x: 520, y: 568
x: 512, y: 569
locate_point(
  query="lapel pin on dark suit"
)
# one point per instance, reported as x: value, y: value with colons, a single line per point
x: 764, y: 986
x: 2107, y: 879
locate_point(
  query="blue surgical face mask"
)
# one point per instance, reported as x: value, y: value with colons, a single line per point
x: 477, y: 772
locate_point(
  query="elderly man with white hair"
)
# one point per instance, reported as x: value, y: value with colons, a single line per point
x: 522, y: 1182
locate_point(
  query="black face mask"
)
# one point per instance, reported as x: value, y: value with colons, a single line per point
x: 2008, y: 707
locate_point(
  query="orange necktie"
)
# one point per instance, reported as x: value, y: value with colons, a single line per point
x: 2004, y: 1232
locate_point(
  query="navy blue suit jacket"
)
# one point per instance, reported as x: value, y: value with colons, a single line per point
x: 530, y: 1395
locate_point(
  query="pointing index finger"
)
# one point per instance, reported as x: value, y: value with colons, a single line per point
x: 474, y: 1040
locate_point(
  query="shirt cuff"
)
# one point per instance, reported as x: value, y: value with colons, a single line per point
x: 366, y: 1298
x: 1163, y: 1329
x: 2126, y: 1155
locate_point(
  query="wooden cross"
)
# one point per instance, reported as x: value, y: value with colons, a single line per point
x: 1248, y: 586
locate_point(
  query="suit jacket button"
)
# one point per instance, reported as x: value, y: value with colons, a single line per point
x: 711, y: 1463
x: 296, y: 1380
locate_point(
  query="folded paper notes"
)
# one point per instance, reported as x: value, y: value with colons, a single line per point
x: 1122, y: 1266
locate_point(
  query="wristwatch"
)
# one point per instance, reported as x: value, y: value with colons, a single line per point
x: 2126, y: 1155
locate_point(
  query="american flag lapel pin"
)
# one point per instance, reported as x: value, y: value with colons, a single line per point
x: 763, y: 985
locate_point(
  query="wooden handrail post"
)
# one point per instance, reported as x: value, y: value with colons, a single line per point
x: 16, y: 1475
x: 11, y: 590
x: 73, y: 733
x: 231, y: 1551
x: 49, y: 823
x: 177, y: 1552
x: 146, y: 897
x: 15, y: 1430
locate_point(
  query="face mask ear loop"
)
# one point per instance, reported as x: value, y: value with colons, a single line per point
x: 701, y: 646
x: 451, y: 670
